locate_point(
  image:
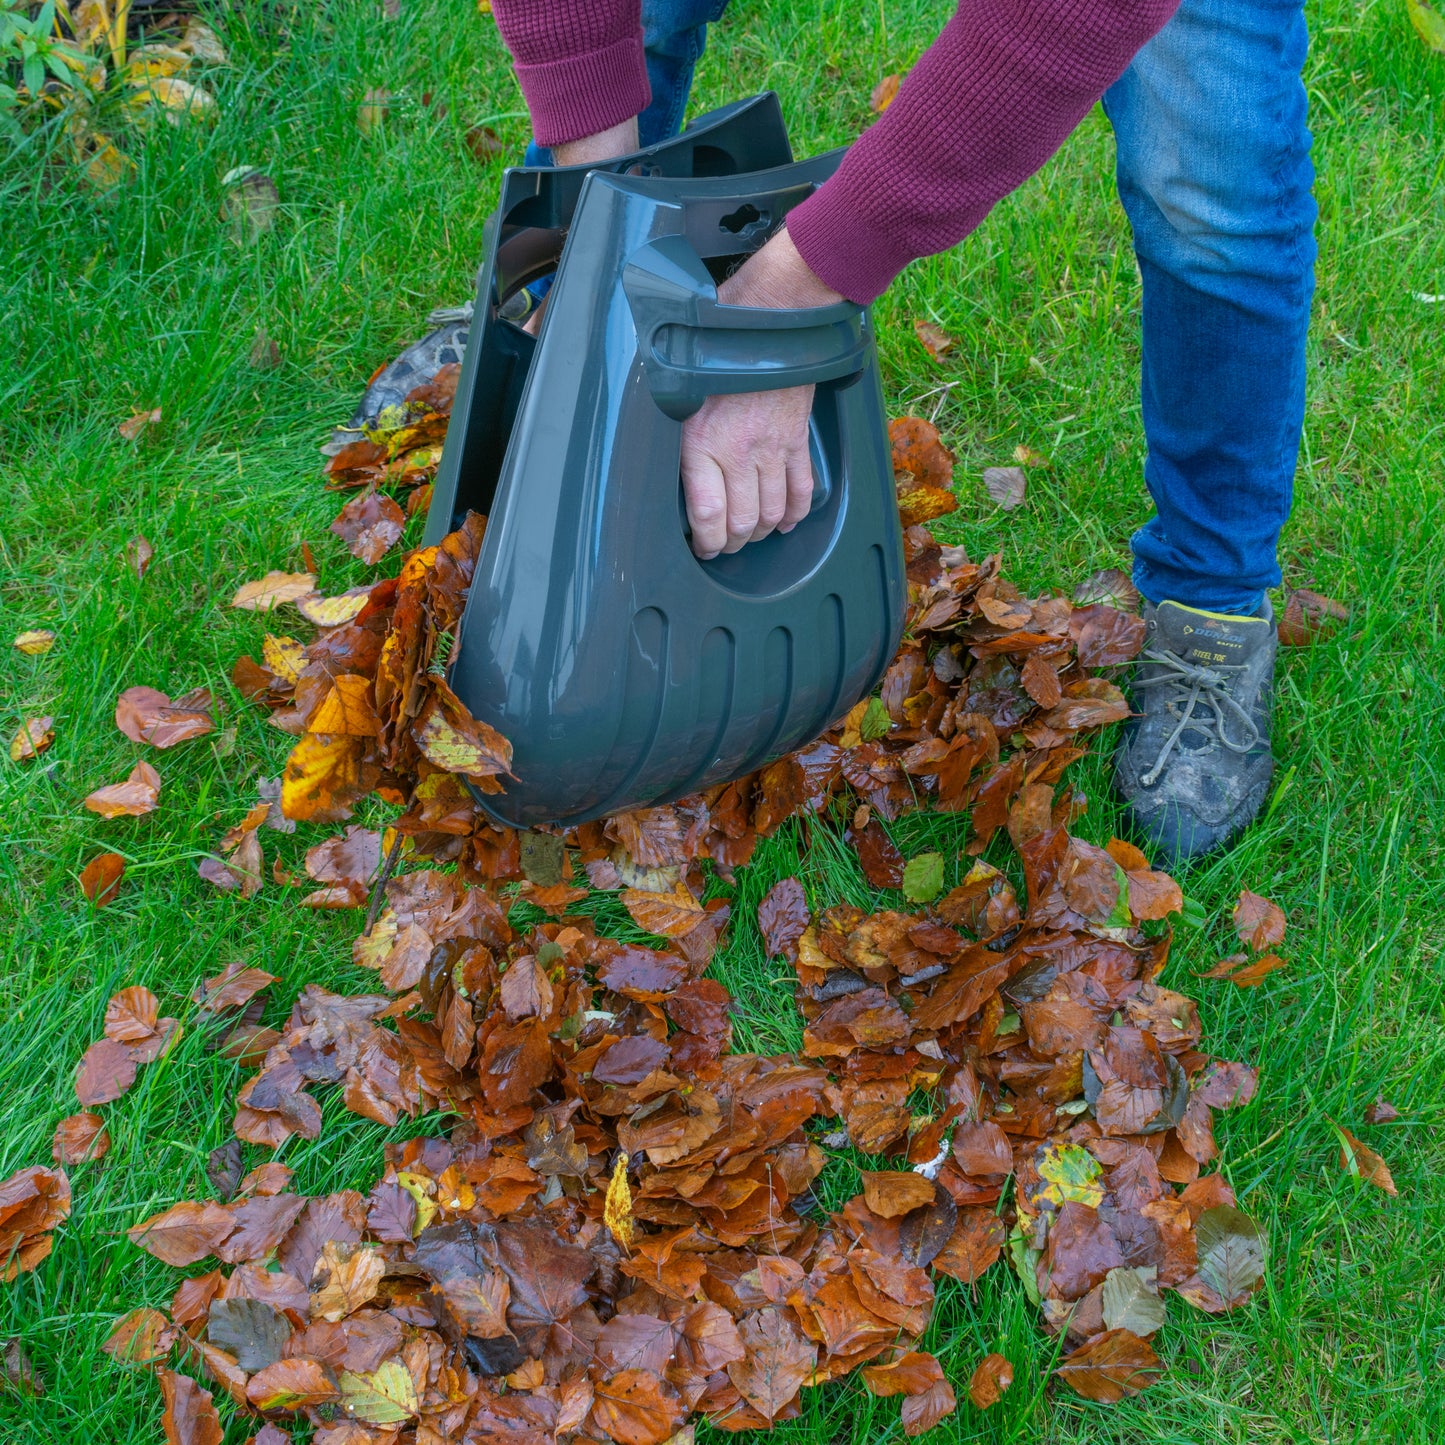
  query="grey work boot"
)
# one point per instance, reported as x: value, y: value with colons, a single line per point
x: 1194, y: 767
x: 418, y: 363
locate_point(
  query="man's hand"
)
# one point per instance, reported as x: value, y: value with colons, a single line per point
x: 745, y: 465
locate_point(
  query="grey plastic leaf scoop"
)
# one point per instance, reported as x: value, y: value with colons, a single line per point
x: 624, y: 671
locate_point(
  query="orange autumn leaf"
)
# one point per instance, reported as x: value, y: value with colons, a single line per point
x: 884, y: 94
x: 323, y: 777
x: 992, y: 1376
x: 347, y: 710
x: 1357, y: 1158
x: 272, y: 590
x: 138, y: 795
x: 100, y: 878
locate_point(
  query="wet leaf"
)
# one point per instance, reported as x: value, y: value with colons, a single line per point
x: 452, y: 739
x: 782, y: 918
x: 139, y: 1338
x: 34, y: 643
x: 146, y: 715
x: 778, y: 1362
x: 100, y: 878
x: 106, y: 1070
x: 184, y: 1233
x: 991, y: 1378
x: 1006, y: 485
x: 923, y: 878
x: 892, y: 1193
x: 252, y: 1330
x: 918, y: 452
x: 190, y: 1418
x: 386, y: 1396
x: 1130, y: 1301
x: 292, y: 1384
x: 1231, y: 1252
x: 272, y: 590
x: 1110, y: 1366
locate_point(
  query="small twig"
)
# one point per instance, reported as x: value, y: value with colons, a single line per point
x: 378, y: 889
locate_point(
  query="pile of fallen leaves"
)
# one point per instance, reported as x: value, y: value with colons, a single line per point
x: 621, y: 1230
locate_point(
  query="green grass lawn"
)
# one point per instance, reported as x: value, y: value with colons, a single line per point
x: 146, y: 299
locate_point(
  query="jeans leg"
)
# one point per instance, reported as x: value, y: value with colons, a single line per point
x: 1214, y: 174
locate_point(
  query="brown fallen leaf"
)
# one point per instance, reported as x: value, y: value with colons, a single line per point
x: 933, y: 338
x: 1259, y: 923
x: 100, y: 878
x: 190, y: 1417
x: 370, y: 525
x: 1238, y: 969
x: 138, y: 555
x: 32, y: 739
x: 137, y: 422
x: 146, y: 715
x: 1109, y: 1366
x: 884, y: 93
x: 272, y: 590
x: 33, y: 643
x: 138, y: 795
x: 1357, y: 1158
x: 484, y: 143
x: 16, y: 1371
x: 918, y: 451
x: 106, y: 1070
x: 1006, y: 485
x: 993, y: 1375
x: 1308, y: 617
x: 782, y: 918
x: 1381, y: 1112
x: 79, y: 1139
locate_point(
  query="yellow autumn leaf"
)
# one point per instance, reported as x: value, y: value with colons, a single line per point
x: 32, y: 739
x: 155, y: 62
x: 386, y: 1396
x: 35, y: 642
x: 617, y: 1207
x: 347, y: 710
x: 322, y: 776
x: 421, y: 1188
x: 331, y: 611
x: 285, y: 657
x: 177, y: 97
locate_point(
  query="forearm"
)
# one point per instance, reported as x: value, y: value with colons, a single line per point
x: 579, y: 62
x: 987, y: 104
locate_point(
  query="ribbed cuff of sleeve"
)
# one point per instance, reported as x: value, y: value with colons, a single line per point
x: 843, y: 246
x: 584, y: 94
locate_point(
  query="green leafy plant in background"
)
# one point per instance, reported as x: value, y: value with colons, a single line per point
x: 77, y: 65
x: 1429, y: 22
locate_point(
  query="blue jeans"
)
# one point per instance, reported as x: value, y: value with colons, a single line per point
x: 1214, y: 174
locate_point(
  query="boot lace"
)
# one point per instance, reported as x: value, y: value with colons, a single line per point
x: 1197, y: 697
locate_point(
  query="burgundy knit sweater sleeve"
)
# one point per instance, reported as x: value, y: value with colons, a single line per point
x: 987, y: 104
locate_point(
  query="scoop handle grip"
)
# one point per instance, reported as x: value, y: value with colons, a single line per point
x: 693, y: 347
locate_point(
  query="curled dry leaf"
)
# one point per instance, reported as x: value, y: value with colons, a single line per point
x: 272, y: 590
x: 33, y: 1202
x: 138, y: 795
x: 35, y: 642
x: 1381, y: 1112
x: 991, y: 1378
x: 137, y: 422
x: 100, y: 878
x: 32, y: 739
